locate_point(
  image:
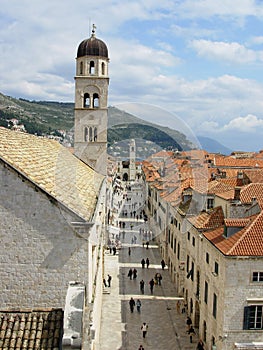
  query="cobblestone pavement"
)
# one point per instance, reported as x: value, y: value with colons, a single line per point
x: 121, y: 329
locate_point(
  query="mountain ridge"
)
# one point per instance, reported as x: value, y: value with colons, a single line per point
x: 55, y: 118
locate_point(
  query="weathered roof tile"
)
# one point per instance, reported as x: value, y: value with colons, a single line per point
x: 54, y: 169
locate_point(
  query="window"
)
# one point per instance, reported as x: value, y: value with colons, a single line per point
x: 81, y: 68
x: 90, y: 134
x: 96, y: 101
x: 86, y: 101
x: 257, y: 277
x: 253, y: 317
x: 210, y: 203
x: 193, y: 241
x: 198, y: 285
x: 178, y: 251
x: 206, y: 293
x: 188, y: 236
x: 207, y: 258
x: 216, y: 268
x: 214, y: 305
x: 187, y: 263
x: 95, y: 134
x: 193, y: 270
x: 174, y: 245
x: 92, y: 67
x: 103, y: 68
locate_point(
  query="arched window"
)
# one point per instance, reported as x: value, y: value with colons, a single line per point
x: 92, y: 67
x: 95, y: 134
x: 90, y: 134
x: 86, y: 101
x: 95, y: 101
x: 86, y: 134
x: 103, y: 68
x: 81, y: 68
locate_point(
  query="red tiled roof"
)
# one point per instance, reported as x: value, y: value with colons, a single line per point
x: 246, y: 242
x: 252, y: 191
x: 254, y: 175
x: 31, y: 329
x: 208, y: 220
x: 237, y: 222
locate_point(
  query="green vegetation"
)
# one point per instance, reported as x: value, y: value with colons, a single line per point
x: 44, y: 117
x: 141, y: 131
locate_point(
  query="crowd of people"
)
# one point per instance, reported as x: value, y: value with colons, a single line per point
x: 133, y: 233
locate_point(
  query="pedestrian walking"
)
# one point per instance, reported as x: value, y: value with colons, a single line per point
x: 134, y: 273
x: 132, y: 304
x: 130, y: 274
x: 147, y: 245
x: 114, y: 249
x: 200, y: 345
x: 151, y: 283
x: 159, y: 278
x: 147, y: 263
x: 163, y: 264
x: 138, y: 305
x: 144, y: 328
x: 141, y: 347
x: 129, y: 251
x: 109, y: 280
x: 191, y: 332
x: 142, y: 286
x: 104, y: 282
x: 143, y: 263
x: 188, y: 322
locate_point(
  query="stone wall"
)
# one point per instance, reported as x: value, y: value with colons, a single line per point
x: 40, y: 251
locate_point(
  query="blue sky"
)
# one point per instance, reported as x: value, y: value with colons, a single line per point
x: 200, y: 61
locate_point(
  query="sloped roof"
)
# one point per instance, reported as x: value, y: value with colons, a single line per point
x: 252, y: 191
x: 246, y: 242
x: 40, y: 329
x: 54, y: 169
x: 254, y: 175
x: 208, y: 220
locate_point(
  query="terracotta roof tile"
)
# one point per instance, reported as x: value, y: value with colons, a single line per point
x: 251, y: 192
x: 53, y: 168
x: 208, y: 220
x: 254, y: 175
x: 39, y: 329
x: 246, y: 242
x: 237, y: 222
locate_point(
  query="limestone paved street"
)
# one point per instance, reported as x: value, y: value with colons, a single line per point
x: 121, y: 329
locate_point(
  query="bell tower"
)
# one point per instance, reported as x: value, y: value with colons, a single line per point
x: 91, y: 101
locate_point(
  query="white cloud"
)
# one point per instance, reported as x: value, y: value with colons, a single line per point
x: 208, y: 8
x: 231, y: 52
x: 247, y: 124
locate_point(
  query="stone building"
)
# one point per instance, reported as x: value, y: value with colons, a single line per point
x: 91, y: 103
x: 214, y: 255
x: 52, y: 214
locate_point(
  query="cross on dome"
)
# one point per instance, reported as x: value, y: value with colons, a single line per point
x: 93, y: 29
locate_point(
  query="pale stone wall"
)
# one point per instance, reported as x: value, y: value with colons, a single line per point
x: 40, y: 251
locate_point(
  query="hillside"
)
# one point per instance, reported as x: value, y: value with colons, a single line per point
x: 57, y: 119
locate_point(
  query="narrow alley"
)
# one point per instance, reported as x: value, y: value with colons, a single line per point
x: 160, y: 309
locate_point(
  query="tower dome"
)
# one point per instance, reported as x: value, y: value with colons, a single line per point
x: 92, y: 47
